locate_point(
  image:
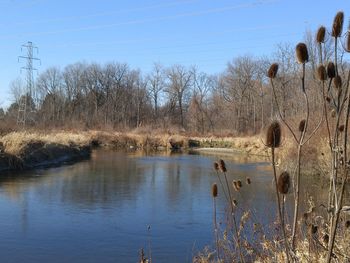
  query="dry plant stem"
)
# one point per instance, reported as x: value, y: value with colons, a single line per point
x: 283, y: 209
x: 234, y: 221
x: 335, y: 158
x: 335, y: 55
x: 222, y: 186
x: 323, y: 117
x: 326, y: 116
x: 334, y: 173
x: 329, y: 143
x: 342, y: 191
x: 336, y: 219
x: 149, y: 245
x: 216, y: 231
x: 320, y: 52
x: 280, y: 114
x: 279, y: 204
x: 329, y: 86
x: 347, y: 121
x: 300, y: 144
x: 335, y: 155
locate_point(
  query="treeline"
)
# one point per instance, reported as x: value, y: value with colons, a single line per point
x: 116, y: 96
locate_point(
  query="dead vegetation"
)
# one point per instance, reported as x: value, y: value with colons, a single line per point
x: 23, y: 150
x: 301, y: 236
x: 20, y: 149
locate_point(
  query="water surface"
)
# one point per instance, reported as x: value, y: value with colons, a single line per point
x: 100, y: 210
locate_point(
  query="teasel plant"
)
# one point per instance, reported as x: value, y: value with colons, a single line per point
x: 283, y: 186
x: 222, y: 168
x: 214, y: 193
x: 339, y: 141
x: 300, y: 138
x: 334, y: 84
x: 273, y: 141
x: 217, y: 170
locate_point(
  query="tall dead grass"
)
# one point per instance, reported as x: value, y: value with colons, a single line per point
x: 15, y: 142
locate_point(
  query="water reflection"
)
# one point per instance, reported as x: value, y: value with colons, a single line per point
x: 99, y: 209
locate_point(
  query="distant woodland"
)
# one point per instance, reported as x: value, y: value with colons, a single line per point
x: 114, y: 96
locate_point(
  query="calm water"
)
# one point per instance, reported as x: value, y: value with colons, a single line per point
x: 99, y: 210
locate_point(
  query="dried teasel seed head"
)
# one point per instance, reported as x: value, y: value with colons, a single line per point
x: 214, y: 190
x: 331, y: 70
x: 302, y: 53
x: 341, y: 128
x: 235, y: 185
x: 273, y: 135
x: 321, y: 32
x: 283, y: 183
x: 337, y: 82
x: 347, y: 224
x: 302, y: 125
x: 222, y: 166
x: 248, y: 180
x: 321, y: 73
x: 272, y: 72
x: 216, y: 166
x: 338, y: 24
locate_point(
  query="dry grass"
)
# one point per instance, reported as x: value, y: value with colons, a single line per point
x: 315, y: 153
x: 250, y: 145
x: 15, y: 142
x: 265, y: 245
x: 310, y: 249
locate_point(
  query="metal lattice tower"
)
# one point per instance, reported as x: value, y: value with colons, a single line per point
x: 28, y: 94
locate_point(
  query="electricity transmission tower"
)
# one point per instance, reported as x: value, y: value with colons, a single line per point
x: 27, y: 98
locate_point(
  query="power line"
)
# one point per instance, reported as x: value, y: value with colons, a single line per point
x: 153, y: 39
x: 103, y: 14
x: 24, y: 5
x: 221, y: 46
x: 156, y: 19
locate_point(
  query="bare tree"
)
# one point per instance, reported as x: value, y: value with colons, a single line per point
x: 178, y: 87
x: 203, y: 85
x: 17, y: 89
x: 155, y: 85
x: 49, y: 91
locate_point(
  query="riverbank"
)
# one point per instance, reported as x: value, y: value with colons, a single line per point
x: 25, y: 150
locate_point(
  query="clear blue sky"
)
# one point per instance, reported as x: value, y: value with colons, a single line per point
x: 201, y: 32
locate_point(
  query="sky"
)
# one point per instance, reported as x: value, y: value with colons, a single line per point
x: 205, y: 33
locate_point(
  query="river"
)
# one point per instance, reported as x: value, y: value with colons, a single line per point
x: 107, y: 208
